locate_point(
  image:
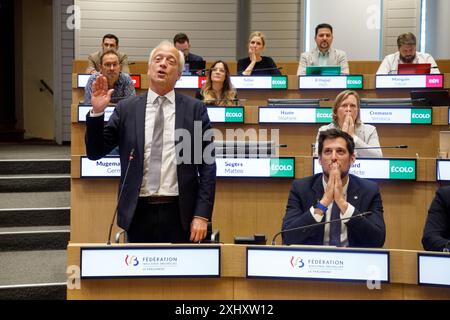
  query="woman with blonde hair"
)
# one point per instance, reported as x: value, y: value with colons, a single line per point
x: 346, y: 117
x: 218, y: 89
x: 256, y: 64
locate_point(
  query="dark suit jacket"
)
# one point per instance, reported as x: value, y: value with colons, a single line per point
x: 196, y: 182
x: 193, y: 57
x: 436, y: 233
x: 364, y: 195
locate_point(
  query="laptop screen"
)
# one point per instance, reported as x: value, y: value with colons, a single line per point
x: 414, y: 68
x: 193, y: 67
x: 323, y: 70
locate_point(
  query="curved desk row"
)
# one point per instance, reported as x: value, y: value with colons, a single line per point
x: 234, y: 285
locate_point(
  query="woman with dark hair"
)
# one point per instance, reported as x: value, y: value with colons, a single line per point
x: 346, y: 117
x: 218, y: 89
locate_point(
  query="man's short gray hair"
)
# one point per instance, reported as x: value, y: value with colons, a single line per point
x: 169, y: 44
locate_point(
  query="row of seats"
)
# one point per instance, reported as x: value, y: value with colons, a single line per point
x: 288, y: 67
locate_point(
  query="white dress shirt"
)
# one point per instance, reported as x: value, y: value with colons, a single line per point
x: 347, y: 214
x: 391, y: 61
x: 169, y: 181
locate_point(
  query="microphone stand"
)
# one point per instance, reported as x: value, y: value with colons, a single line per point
x: 360, y: 215
x: 130, y: 158
x: 402, y: 146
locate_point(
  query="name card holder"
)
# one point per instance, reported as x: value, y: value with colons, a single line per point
x: 409, y: 81
x: 126, y: 261
x: 383, y: 169
x: 83, y: 109
x: 321, y: 263
x: 433, y: 269
x: 107, y: 167
x: 256, y: 167
x: 442, y: 169
x: 396, y: 115
x: 331, y: 82
x: 294, y: 115
x: 219, y: 114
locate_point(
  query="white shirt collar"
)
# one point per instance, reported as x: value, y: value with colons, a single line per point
x: 152, y: 96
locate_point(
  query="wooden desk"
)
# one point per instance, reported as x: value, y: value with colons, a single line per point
x: 288, y: 67
x: 233, y: 285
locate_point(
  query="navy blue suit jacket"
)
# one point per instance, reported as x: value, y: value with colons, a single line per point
x: 364, y: 195
x: 436, y: 233
x: 125, y: 128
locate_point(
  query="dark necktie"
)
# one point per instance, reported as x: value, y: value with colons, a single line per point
x: 156, y: 147
x: 335, y: 227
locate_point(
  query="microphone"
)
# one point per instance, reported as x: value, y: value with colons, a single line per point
x: 446, y: 247
x: 130, y: 158
x: 360, y: 215
x: 265, y: 69
x: 400, y: 146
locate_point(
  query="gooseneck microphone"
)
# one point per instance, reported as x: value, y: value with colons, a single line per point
x: 400, y: 146
x: 130, y: 158
x: 359, y: 215
x: 266, y: 69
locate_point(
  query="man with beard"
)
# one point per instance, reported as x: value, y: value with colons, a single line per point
x: 323, y: 54
x: 335, y: 194
x: 406, y: 53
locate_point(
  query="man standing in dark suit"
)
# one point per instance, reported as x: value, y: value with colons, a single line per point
x: 335, y: 194
x: 436, y: 234
x: 166, y: 139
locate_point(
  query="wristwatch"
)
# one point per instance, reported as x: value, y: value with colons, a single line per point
x: 320, y: 206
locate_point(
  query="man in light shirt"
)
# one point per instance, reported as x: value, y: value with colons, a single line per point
x: 323, y: 54
x: 406, y: 53
x: 168, y: 194
x: 335, y: 194
x: 109, y: 42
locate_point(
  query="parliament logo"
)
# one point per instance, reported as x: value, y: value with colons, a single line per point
x: 297, y: 262
x: 131, y: 261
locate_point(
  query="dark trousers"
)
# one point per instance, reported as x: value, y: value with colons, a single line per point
x: 157, y: 223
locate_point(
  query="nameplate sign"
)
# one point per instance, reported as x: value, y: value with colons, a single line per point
x: 239, y: 82
x: 407, y: 81
x: 294, y: 115
x: 315, y: 264
x: 82, y: 80
x: 443, y: 170
x: 397, y: 115
x: 136, y: 78
x: 219, y: 114
x: 330, y: 82
x: 433, y: 269
x: 255, y: 168
x: 260, y: 82
x: 83, y: 110
x: 132, y: 262
x: 107, y: 167
x: 386, y: 169
x: 190, y: 82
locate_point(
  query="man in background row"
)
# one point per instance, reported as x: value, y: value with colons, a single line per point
x: 109, y: 42
x: 323, y: 54
x: 110, y: 68
x: 406, y: 53
x: 436, y: 234
x: 181, y: 42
